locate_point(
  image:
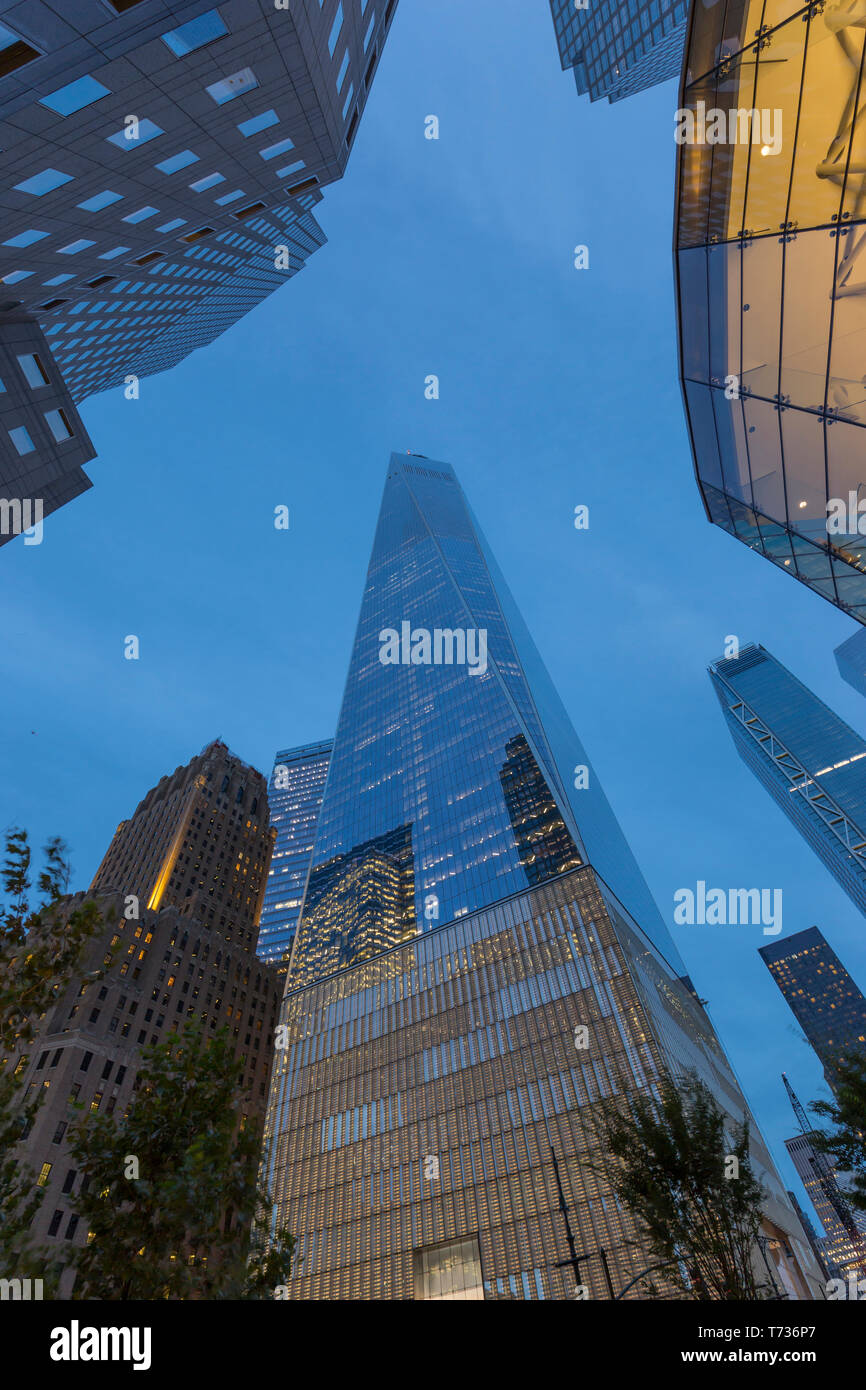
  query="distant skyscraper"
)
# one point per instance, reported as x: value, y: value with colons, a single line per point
x: 295, y: 795
x: 825, y: 1001
x: 851, y: 660
x: 837, y: 1248
x: 161, y: 162
x: 809, y: 760
x: 770, y: 282
x: 618, y: 48
x: 478, y: 960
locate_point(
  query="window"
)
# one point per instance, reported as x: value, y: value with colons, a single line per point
x: 85, y: 1061
x: 56, y: 1058
x: 271, y: 151
x: 16, y: 276
x: 146, y: 130
x: 197, y: 235
x: 69, y: 1181
x: 141, y: 215
x: 106, y: 1070
x: 335, y: 29
x: 234, y: 86
x: 72, y: 1227
x: 59, y: 1133
x: 73, y: 247
x: 96, y: 1102
x: 172, y: 226
x: 54, y: 1223
x: 100, y: 201
x: 210, y: 181
x: 34, y: 373
x: 121, y: 1073
x: 59, y: 425
x: 74, y: 96
x: 177, y: 161
x: 146, y: 260
x: 449, y: 1271
x: 113, y: 254
x: 44, y: 182
x: 257, y: 123
x: 26, y: 238
x: 14, y: 52
x: 249, y: 210
x: 22, y: 441
x: 188, y: 37
x: 74, y: 1094
x: 44, y: 1174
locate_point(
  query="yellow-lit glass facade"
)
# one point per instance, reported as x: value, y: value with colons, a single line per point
x: 772, y: 280
x: 420, y: 1093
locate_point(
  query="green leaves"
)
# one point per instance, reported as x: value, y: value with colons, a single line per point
x: 673, y: 1151
x: 847, y: 1112
x: 182, y: 1228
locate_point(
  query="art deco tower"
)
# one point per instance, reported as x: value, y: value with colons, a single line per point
x: 478, y: 960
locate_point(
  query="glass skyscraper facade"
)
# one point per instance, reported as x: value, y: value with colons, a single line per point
x: 824, y: 999
x: 811, y: 762
x: 851, y: 661
x: 294, y: 795
x: 131, y: 239
x: 772, y: 306
x: 478, y: 960
x: 617, y: 47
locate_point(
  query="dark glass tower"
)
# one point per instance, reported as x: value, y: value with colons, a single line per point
x: 810, y: 761
x: 478, y: 961
x: 825, y: 1001
x: 616, y: 48
x: 294, y: 795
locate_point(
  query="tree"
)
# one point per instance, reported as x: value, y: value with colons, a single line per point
x: 40, y: 948
x: 690, y: 1186
x: 847, y: 1112
x: 171, y: 1192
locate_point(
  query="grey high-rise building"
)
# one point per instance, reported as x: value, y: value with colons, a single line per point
x: 478, y: 963
x: 160, y: 161
x: 811, y: 762
x: 824, y: 999
x: 295, y: 796
x: 618, y: 47
x: 179, y: 890
x: 851, y: 661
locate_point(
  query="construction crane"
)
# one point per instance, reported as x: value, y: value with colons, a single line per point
x: 827, y: 1179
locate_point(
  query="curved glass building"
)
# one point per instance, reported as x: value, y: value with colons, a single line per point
x: 771, y: 281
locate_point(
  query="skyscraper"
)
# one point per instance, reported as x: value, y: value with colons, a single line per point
x: 295, y: 795
x: 825, y: 1001
x: 161, y: 163
x: 616, y: 48
x: 851, y: 661
x: 478, y: 960
x: 809, y: 760
x: 837, y: 1247
x: 180, y: 891
x: 772, y: 312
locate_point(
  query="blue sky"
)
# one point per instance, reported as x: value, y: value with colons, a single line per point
x: 558, y: 387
